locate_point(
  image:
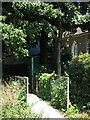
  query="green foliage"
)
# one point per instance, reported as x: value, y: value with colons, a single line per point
x: 33, y: 30
x: 22, y: 96
x: 45, y: 85
x: 59, y: 93
x: 88, y: 105
x: 42, y: 69
x: 33, y: 17
x: 72, y: 111
x: 73, y: 14
x: 13, y: 104
x: 39, y: 9
x: 76, y: 16
x: 16, y: 111
x: 54, y: 89
x: 13, y: 41
x: 79, y: 72
x: 30, y: 18
x: 68, y: 11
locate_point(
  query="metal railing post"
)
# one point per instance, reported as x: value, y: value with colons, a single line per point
x: 67, y: 92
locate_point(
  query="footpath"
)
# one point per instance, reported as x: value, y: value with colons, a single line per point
x: 43, y: 108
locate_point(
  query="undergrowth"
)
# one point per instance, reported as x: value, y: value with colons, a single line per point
x: 74, y: 112
x: 13, y: 101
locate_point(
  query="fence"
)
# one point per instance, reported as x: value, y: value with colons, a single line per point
x: 37, y: 86
x: 49, y: 89
x: 61, y: 89
x: 20, y: 79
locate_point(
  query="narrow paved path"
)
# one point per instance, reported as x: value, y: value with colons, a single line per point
x: 42, y: 108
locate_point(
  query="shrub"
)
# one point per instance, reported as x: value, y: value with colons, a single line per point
x: 59, y: 93
x: 79, y: 72
x: 45, y: 85
x: 53, y: 88
x: 72, y: 112
x: 13, y: 104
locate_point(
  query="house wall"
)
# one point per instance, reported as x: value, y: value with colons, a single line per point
x: 81, y: 41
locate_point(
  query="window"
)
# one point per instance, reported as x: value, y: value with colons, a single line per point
x: 74, y: 49
x: 88, y: 47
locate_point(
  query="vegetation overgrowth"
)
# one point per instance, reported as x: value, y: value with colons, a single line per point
x: 79, y: 73
x: 13, y: 101
x: 25, y: 24
x: 54, y: 89
x: 74, y: 112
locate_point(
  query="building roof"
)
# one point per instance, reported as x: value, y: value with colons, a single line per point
x: 79, y: 31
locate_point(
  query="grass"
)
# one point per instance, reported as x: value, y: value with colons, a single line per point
x: 74, y: 112
x: 13, y: 101
x: 13, y: 104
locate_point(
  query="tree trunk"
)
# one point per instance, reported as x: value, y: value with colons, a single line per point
x: 58, y: 59
x: 54, y: 58
x: 59, y: 51
x: 43, y: 48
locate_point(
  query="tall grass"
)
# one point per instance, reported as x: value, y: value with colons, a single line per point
x: 13, y: 101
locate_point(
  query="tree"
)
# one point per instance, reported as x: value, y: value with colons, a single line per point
x: 31, y: 17
x: 72, y: 17
x: 13, y: 41
x: 34, y: 24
